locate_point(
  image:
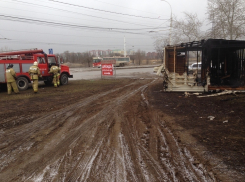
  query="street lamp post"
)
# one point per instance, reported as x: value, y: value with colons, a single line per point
x: 171, y: 19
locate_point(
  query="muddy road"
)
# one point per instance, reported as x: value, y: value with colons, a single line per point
x: 97, y: 130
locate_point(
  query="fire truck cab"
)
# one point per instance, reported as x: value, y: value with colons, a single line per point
x: 22, y: 60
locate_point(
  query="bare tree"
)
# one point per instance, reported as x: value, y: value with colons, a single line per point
x: 88, y: 59
x: 139, y: 56
x: 79, y: 57
x: 227, y: 18
x: 184, y: 30
x: 132, y: 57
x: 159, y: 45
x: 66, y: 56
x: 187, y: 29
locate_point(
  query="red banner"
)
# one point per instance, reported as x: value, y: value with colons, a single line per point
x: 107, y: 69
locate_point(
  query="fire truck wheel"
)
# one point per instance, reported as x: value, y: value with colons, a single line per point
x: 64, y: 79
x: 22, y: 83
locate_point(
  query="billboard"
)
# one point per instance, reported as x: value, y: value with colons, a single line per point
x: 107, y: 69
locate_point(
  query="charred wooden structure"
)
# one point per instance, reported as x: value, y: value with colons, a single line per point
x: 222, y: 66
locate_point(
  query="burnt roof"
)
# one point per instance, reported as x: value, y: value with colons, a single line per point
x: 214, y: 43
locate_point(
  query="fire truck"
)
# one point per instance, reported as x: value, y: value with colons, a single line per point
x: 22, y: 60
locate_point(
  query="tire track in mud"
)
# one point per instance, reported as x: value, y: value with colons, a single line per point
x: 99, y: 153
x: 122, y: 141
x: 180, y: 160
x: 25, y: 131
x: 41, y: 123
x: 32, y: 130
x: 172, y: 163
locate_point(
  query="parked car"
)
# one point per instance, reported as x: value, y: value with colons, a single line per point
x: 195, y: 66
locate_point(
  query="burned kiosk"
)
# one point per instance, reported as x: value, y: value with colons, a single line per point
x: 204, y: 65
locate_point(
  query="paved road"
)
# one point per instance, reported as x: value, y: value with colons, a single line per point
x: 95, y: 73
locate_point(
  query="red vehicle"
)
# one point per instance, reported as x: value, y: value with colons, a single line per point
x: 22, y: 60
x: 97, y: 62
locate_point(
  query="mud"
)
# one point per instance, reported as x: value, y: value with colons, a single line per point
x: 120, y: 130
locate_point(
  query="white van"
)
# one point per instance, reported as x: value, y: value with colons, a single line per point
x: 195, y: 66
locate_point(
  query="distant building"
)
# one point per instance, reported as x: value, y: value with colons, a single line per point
x: 118, y: 51
x: 98, y: 53
x: 130, y: 52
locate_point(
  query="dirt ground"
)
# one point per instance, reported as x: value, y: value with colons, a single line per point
x: 120, y: 130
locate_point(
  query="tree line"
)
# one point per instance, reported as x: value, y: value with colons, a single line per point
x: 225, y: 19
x: 86, y: 59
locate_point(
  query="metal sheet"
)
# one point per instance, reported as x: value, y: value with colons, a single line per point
x: 16, y: 68
x: 25, y: 67
x: 2, y: 73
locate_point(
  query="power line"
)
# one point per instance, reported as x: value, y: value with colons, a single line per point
x: 29, y: 20
x: 124, y: 7
x: 76, y: 13
x: 70, y: 35
x: 102, y: 10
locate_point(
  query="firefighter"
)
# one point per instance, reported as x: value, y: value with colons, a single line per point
x: 55, y: 70
x: 11, y: 77
x: 34, y: 73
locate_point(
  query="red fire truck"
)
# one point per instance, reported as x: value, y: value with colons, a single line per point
x: 22, y: 60
x: 97, y: 62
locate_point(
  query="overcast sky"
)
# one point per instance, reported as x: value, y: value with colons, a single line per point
x: 79, y: 25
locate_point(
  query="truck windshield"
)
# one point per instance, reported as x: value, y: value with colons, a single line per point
x: 51, y: 60
x: 96, y: 60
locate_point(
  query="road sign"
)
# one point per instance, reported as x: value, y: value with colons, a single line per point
x: 107, y: 69
x: 50, y: 51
